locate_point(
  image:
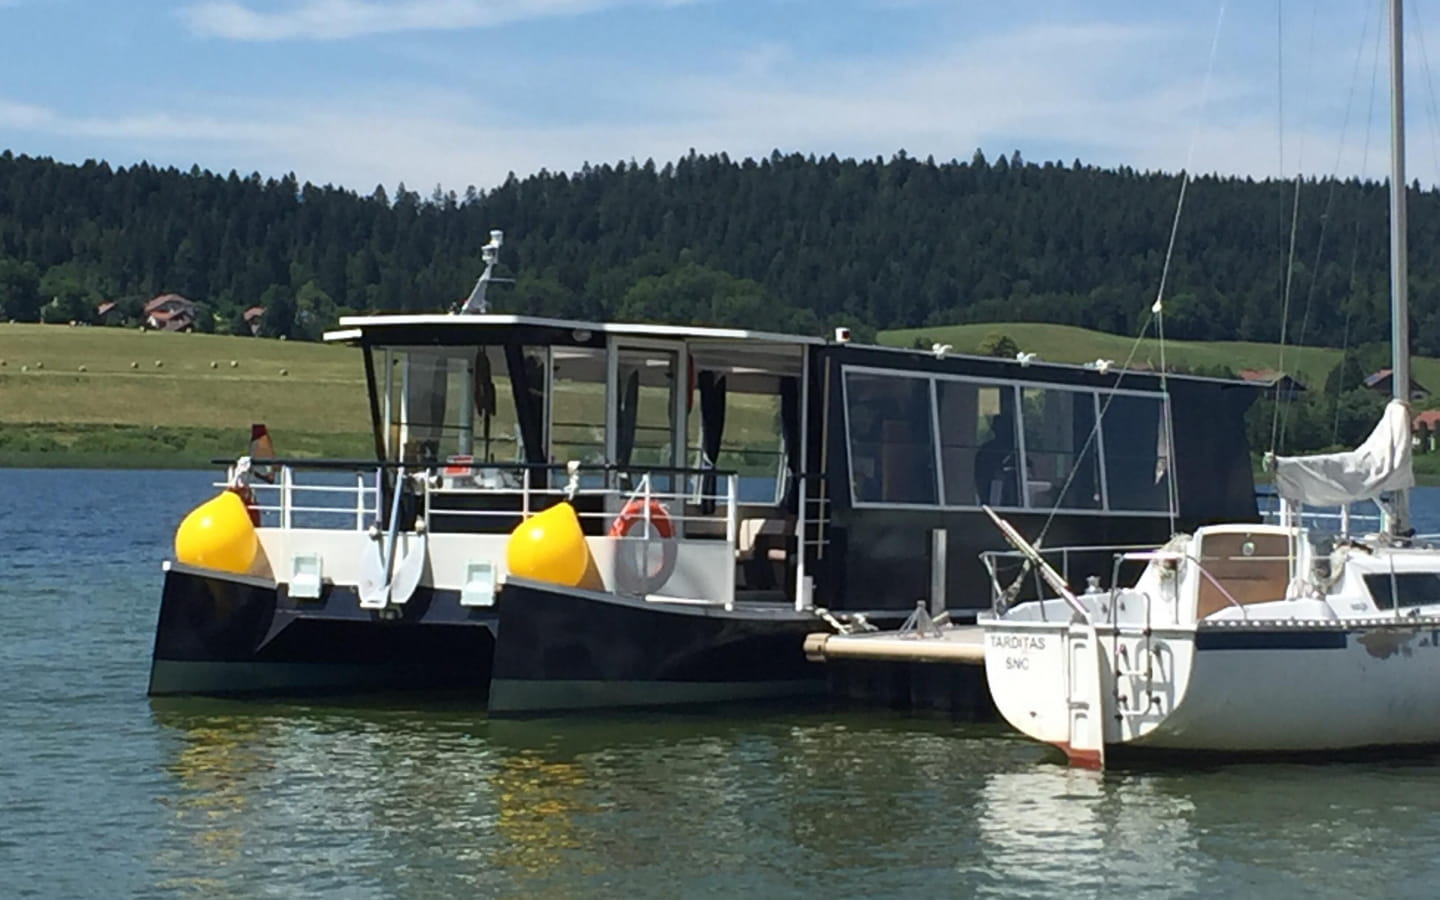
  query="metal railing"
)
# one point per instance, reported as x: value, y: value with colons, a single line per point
x: 346, y: 494
x: 1342, y: 521
x: 1019, y: 568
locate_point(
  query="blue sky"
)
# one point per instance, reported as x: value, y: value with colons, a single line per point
x: 460, y: 92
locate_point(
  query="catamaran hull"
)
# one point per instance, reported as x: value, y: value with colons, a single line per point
x: 538, y: 649
x: 566, y: 649
x: 1235, y: 688
x: 222, y: 634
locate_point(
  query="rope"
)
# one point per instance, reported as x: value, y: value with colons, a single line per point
x: 1355, y: 243
x: 1429, y: 84
x: 1329, y: 205
x: 1276, y: 429
x: 1185, y: 176
x: 1156, y: 315
x: 1157, y: 308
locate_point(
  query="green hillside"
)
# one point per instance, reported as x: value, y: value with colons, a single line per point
x: 1069, y: 344
x: 107, y: 396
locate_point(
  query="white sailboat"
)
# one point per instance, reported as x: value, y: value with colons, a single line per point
x: 1245, y: 637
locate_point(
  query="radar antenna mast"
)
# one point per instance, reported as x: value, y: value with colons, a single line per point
x: 477, y: 303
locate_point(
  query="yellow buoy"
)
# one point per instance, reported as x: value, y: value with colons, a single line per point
x: 218, y: 534
x: 549, y: 546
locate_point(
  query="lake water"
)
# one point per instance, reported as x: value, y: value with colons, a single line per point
x: 105, y: 793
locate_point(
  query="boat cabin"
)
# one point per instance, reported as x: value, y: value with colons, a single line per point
x: 750, y: 467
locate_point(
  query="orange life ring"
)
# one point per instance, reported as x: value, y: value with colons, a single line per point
x: 637, y: 571
x: 634, y: 512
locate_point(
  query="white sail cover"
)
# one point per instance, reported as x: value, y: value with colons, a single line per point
x: 1380, y: 464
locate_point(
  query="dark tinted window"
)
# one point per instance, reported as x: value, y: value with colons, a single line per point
x: 980, y: 462
x: 892, y: 439
x: 1413, y: 589
x: 1137, y: 453
x: 1062, y: 468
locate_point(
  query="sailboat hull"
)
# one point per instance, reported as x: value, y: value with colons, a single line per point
x: 1302, y: 688
x: 1255, y: 687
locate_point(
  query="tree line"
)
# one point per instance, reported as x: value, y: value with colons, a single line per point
x: 786, y: 242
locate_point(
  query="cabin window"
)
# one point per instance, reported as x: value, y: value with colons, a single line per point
x: 979, y: 461
x: 645, y: 411
x: 1137, y: 453
x: 577, y: 410
x: 1404, y: 589
x: 892, y: 438
x: 1061, y: 461
x: 1005, y: 444
x: 443, y: 402
x: 744, y: 435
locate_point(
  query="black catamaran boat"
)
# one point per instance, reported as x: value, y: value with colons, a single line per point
x: 566, y: 514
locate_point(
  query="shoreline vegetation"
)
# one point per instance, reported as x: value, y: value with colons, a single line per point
x: 93, y: 397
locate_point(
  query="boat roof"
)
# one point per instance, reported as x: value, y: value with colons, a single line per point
x: 351, y: 327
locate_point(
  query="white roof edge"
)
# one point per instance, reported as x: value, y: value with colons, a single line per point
x: 349, y: 334
x: 357, y: 323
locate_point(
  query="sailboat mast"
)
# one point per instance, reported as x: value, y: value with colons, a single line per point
x: 1399, y: 273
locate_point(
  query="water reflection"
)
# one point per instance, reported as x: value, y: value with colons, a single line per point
x: 301, y: 799
x: 1050, y: 826
x: 407, y: 803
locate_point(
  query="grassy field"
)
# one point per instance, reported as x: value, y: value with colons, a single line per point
x: 1065, y: 343
x: 113, y: 397
x: 109, y: 396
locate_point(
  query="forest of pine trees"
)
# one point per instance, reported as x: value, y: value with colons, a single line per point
x: 787, y: 243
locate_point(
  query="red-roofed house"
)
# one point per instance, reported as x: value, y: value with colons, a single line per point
x: 253, y: 317
x: 170, y: 312
x: 108, y: 313
x: 1381, y: 382
x: 1282, y: 383
x: 1425, y: 429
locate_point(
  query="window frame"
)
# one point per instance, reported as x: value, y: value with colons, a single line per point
x: 1016, y: 387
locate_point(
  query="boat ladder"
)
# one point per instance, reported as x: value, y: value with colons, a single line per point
x: 1143, y: 671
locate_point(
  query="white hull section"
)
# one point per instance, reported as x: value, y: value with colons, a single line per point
x: 1375, y: 686
x: 1240, y: 639
x: 1257, y: 688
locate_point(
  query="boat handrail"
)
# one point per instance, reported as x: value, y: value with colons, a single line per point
x: 301, y: 462
x: 1273, y: 511
x: 1066, y: 551
x: 1215, y: 583
x: 356, y: 503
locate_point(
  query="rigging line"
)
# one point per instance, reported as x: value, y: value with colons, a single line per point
x: 1285, y: 310
x: 1429, y: 84
x: 1278, y: 420
x: 1185, y: 172
x: 1351, y: 284
x: 1280, y: 168
x: 1158, y: 306
x: 1330, y: 199
x: 1095, y: 429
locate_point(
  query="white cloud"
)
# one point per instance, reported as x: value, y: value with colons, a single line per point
x: 338, y: 19
x: 1092, y: 91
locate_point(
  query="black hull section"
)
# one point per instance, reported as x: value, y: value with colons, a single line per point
x: 575, y: 650
x: 222, y: 635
